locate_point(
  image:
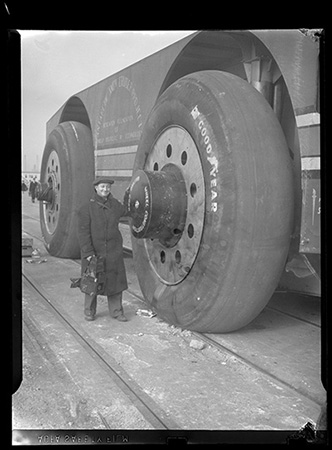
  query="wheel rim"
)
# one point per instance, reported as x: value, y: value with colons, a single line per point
x: 175, y: 147
x: 51, y: 211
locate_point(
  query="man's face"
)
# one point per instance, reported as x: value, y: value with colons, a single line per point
x: 103, y: 189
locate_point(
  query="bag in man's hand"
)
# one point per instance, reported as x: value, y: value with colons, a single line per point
x: 93, y: 279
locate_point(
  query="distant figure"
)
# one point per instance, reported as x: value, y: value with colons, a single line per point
x: 23, y: 187
x: 32, y: 189
x: 37, y: 189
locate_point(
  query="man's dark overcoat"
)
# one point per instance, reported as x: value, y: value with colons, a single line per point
x: 99, y: 234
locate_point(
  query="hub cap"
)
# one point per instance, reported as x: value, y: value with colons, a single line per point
x: 167, y: 205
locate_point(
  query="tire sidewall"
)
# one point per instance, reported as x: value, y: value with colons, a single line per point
x: 71, y: 142
x: 213, y: 123
x: 56, y: 142
x: 177, y: 106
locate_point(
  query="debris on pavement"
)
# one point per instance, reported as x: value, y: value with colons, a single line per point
x: 36, y: 261
x: 35, y: 253
x: 198, y: 345
x: 180, y: 332
x: 145, y: 313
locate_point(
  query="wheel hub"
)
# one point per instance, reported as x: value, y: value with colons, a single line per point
x: 51, y: 210
x: 160, y: 205
x: 167, y: 205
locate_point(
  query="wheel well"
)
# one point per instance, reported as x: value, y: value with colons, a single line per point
x: 76, y: 111
x: 229, y: 51
x: 213, y: 50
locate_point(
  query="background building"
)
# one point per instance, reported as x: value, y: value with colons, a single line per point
x: 28, y: 176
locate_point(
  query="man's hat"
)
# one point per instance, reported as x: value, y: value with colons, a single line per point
x: 103, y: 180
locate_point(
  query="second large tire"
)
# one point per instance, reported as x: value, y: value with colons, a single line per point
x: 68, y: 159
x: 248, y: 202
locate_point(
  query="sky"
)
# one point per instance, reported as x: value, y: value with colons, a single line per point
x: 57, y: 64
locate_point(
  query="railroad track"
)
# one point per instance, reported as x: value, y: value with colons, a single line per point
x: 129, y: 252
x: 145, y: 404
x: 148, y: 407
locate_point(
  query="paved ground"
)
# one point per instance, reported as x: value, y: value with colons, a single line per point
x: 197, y: 388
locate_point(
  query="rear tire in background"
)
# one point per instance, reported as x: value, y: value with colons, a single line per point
x: 68, y: 159
x: 241, y: 180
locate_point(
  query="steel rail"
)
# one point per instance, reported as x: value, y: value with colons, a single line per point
x: 129, y: 252
x: 152, y: 412
x: 293, y: 316
x: 210, y: 341
x: 266, y: 373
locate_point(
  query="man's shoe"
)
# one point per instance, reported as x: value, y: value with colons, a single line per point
x: 89, y: 318
x: 122, y: 318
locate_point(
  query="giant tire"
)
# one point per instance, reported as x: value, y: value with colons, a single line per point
x: 248, y: 212
x: 69, y: 160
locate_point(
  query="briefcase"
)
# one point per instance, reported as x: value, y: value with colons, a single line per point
x: 93, y: 279
x: 27, y: 244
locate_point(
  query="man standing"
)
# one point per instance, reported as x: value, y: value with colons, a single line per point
x: 99, y: 234
x: 23, y: 186
x: 32, y: 189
